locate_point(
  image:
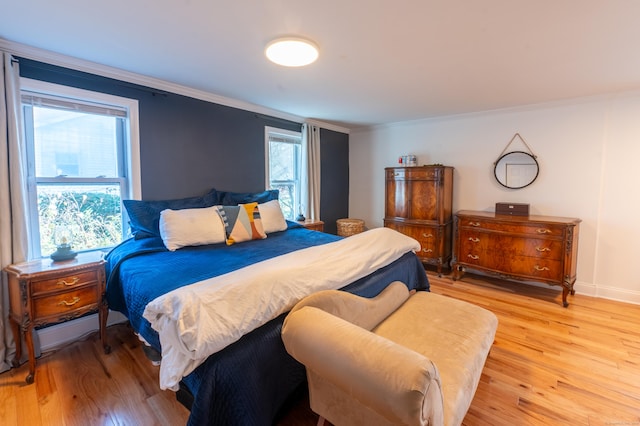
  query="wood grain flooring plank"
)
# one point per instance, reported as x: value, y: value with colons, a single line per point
x: 9, y: 383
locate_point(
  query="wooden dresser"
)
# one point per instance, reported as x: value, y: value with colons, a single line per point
x: 43, y: 292
x: 419, y: 204
x: 523, y: 248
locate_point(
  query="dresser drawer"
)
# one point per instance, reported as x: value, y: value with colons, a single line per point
x: 427, y: 250
x: 425, y: 235
x: 523, y: 266
x: 536, y: 269
x: 63, y: 283
x: 423, y: 174
x: 515, y: 228
x: 414, y: 173
x: 473, y: 241
x: 395, y: 174
x: 64, y: 303
x: 543, y: 248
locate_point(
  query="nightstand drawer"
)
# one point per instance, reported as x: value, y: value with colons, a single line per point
x: 63, y: 283
x: 64, y: 303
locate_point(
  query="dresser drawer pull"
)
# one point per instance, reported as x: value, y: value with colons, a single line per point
x: 427, y: 250
x: 427, y: 235
x: 73, y: 281
x: 543, y: 249
x: 73, y: 302
x: 473, y: 256
x: 474, y: 240
x: 474, y: 223
x: 543, y: 231
x: 540, y: 268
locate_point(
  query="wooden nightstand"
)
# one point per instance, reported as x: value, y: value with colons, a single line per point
x: 43, y: 292
x: 314, y: 225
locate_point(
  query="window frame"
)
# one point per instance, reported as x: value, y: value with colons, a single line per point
x: 285, y: 134
x: 130, y: 177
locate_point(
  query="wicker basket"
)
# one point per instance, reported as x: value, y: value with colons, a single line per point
x: 348, y: 227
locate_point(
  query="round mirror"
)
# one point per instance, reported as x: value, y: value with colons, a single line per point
x: 516, y: 169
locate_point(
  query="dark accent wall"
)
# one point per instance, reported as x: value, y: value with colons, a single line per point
x: 188, y: 146
x: 334, y: 181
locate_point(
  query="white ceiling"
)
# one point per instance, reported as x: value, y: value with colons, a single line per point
x: 380, y: 61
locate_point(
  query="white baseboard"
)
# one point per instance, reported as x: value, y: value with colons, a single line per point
x: 585, y: 288
x: 605, y: 292
x: 60, y: 334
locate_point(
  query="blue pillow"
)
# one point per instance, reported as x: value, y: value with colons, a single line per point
x: 226, y: 198
x: 144, y: 216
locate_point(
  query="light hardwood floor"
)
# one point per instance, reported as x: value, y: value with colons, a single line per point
x: 549, y: 365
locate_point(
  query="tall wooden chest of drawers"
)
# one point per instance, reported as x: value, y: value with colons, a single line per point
x: 419, y: 204
x: 524, y: 248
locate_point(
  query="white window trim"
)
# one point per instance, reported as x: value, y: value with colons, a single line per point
x: 132, y: 160
x: 276, y: 131
x: 132, y: 144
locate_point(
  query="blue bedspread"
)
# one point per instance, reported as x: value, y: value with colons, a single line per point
x: 247, y: 382
x: 151, y: 270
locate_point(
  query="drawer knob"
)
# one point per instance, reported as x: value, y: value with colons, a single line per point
x: 427, y: 250
x: 540, y: 268
x: 427, y: 235
x: 73, y: 281
x: 543, y: 249
x: 474, y: 240
x: 73, y: 302
x: 473, y: 256
x: 543, y: 231
x: 474, y: 223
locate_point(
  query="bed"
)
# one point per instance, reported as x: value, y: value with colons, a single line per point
x: 249, y: 380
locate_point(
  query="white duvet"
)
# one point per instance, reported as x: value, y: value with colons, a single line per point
x: 200, y: 319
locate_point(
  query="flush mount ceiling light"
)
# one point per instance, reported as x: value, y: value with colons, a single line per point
x: 292, y: 52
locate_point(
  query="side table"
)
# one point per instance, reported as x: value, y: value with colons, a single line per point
x: 314, y: 225
x: 43, y: 292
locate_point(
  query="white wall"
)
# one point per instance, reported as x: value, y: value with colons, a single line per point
x: 588, y: 151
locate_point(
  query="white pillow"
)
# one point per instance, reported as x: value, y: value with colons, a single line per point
x: 191, y: 227
x: 272, y: 218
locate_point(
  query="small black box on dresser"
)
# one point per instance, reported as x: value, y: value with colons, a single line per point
x: 512, y: 209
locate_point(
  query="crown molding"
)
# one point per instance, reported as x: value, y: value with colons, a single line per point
x: 77, y: 64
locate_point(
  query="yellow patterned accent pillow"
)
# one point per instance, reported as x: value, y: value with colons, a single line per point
x: 242, y: 222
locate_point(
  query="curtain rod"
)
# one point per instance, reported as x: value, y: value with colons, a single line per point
x: 94, y: 78
x: 278, y: 119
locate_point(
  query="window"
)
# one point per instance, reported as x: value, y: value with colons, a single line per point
x: 284, y: 154
x: 83, y: 159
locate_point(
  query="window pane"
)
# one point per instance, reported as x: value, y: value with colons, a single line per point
x: 284, y: 175
x: 91, y: 212
x: 75, y: 144
x: 282, y: 161
x: 286, y: 198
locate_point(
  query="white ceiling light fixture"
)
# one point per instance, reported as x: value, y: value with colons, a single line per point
x: 292, y: 52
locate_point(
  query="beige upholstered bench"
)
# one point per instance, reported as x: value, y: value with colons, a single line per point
x: 398, y: 358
